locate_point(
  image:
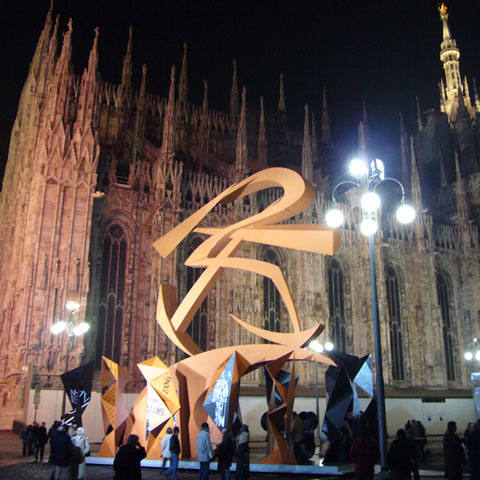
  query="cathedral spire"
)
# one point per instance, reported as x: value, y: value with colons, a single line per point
x: 419, y: 115
x: 443, y: 175
x: 59, y: 89
x: 204, y: 125
x: 444, y: 17
x: 366, y: 130
x: 241, y: 157
x: 43, y: 44
x: 362, y: 143
x: 415, y: 179
x: 450, y: 57
x: 168, y: 145
x: 460, y: 194
x: 183, y: 82
x: 441, y: 87
x: 403, y: 147
x: 325, y: 120
x: 262, y: 140
x: 140, y: 118
x: 234, y: 97
x: 314, y: 140
x: 475, y: 94
x: 281, y: 99
x: 87, y: 99
x: 126, y: 84
x: 307, y: 166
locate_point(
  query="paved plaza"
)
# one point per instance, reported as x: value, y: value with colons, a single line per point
x: 13, y: 466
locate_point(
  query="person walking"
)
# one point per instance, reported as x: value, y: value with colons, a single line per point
x: 453, y: 453
x: 35, y: 438
x: 26, y: 437
x: 364, y: 452
x: 417, y: 440
x: 81, y: 441
x: 243, y: 454
x: 61, y: 454
x: 473, y: 448
x: 204, y: 451
x: 41, y: 440
x: 174, y: 449
x: 128, y: 458
x: 166, y: 447
x: 225, y: 451
x: 400, y: 456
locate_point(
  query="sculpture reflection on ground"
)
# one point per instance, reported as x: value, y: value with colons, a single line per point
x: 205, y: 386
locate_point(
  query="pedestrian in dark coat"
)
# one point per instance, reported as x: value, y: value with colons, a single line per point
x: 453, y: 453
x: 243, y: 454
x: 174, y: 450
x: 40, y: 441
x: 473, y: 448
x: 364, y: 452
x: 225, y: 451
x: 61, y: 454
x: 26, y: 437
x: 127, y: 460
x: 400, y: 456
x: 35, y: 437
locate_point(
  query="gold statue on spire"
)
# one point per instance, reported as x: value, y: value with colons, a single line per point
x: 443, y: 10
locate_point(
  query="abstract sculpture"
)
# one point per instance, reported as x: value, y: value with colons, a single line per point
x: 207, y: 383
x: 341, y: 385
x: 114, y: 379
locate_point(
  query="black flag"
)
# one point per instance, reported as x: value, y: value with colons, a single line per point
x: 78, y: 387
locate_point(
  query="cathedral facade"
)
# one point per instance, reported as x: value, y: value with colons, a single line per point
x: 97, y: 172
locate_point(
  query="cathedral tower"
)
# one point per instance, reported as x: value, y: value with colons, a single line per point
x: 453, y: 92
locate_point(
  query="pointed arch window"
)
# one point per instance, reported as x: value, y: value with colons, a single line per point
x: 445, y: 301
x: 271, y: 297
x: 336, y: 302
x: 112, y: 293
x: 395, y: 324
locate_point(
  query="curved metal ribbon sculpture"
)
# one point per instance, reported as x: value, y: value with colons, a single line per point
x: 218, y: 252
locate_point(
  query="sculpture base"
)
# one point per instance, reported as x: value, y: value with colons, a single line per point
x: 313, y: 468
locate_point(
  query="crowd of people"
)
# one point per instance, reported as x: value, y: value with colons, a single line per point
x: 68, y: 448
x: 127, y: 460
x: 407, y: 451
x: 34, y: 438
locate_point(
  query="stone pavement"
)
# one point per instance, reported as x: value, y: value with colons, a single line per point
x: 13, y: 466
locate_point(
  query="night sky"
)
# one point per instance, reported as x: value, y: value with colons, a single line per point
x: 384, y: 51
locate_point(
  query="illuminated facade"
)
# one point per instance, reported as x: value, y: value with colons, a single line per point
x: 96, y: 172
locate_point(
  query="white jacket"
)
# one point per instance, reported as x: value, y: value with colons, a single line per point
x: 166, y: 446
x: 81, y: 441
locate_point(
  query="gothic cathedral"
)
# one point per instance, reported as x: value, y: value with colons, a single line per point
x: 96, y: 172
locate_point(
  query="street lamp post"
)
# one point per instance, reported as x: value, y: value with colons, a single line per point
x: 472, y: 356
x: 72, y: 331
x: 369, y: 177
